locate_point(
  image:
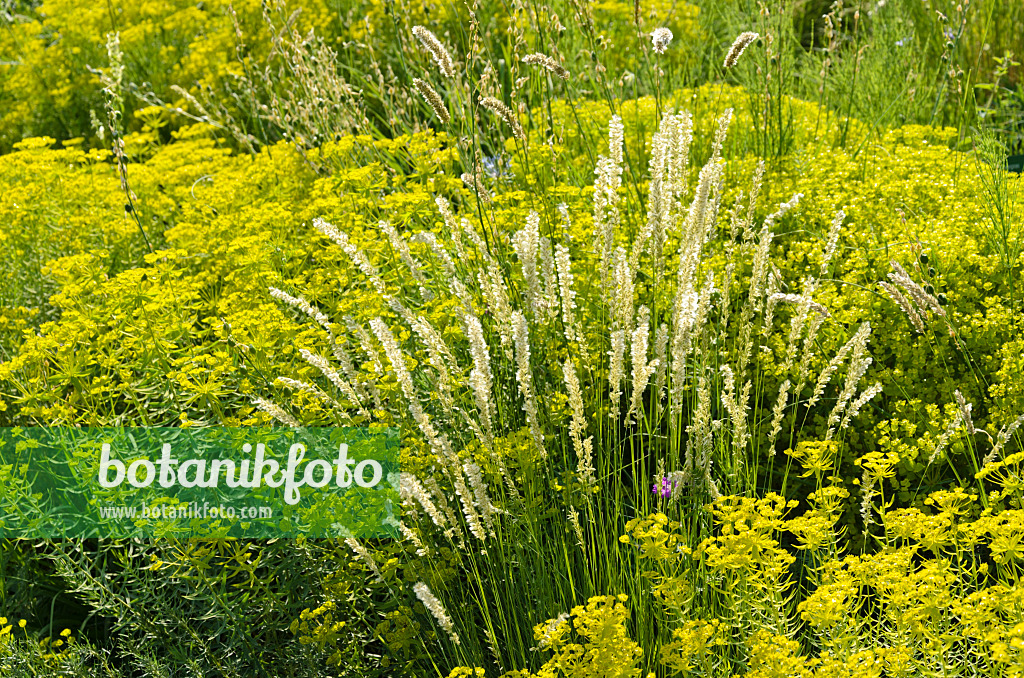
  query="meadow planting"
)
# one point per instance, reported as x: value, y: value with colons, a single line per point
x: 702, y: 325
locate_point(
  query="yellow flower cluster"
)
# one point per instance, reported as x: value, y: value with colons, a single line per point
x: 693, y: 644
x: 655, y: 536
x: 591, y: 641
x: 319, y: 627
x: 746, y: 545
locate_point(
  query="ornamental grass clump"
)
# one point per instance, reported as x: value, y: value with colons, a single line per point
x: 538, y: 405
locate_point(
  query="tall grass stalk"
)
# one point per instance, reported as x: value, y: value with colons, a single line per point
x: 550, y: 539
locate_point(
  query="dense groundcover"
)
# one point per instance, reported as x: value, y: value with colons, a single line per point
x: 694, y: 376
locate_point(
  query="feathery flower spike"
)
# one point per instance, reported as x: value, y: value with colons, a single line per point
x: 433, y: 99
x: 435, y: 607
x: 544, y: 61
x: 276, y: 412
x: 505, y: 113
x: 740, y: 44
x: 437, y: 51
x: 799, y: 299
x: 965, y: 412
x: 365, y: 556
x: 904, y: 304
x: 922, y: 298
x: 1002, y: 438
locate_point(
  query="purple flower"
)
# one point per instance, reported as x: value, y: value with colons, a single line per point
x: 664, y: 487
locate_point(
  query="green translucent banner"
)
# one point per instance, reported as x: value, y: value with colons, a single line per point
x: 198, y: 483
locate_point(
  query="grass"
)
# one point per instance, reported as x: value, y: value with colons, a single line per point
x: 711, y: 381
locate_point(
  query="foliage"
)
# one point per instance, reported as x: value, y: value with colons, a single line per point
x: 668, y: 422
x: 193, y: 343
x: 255, y: 70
